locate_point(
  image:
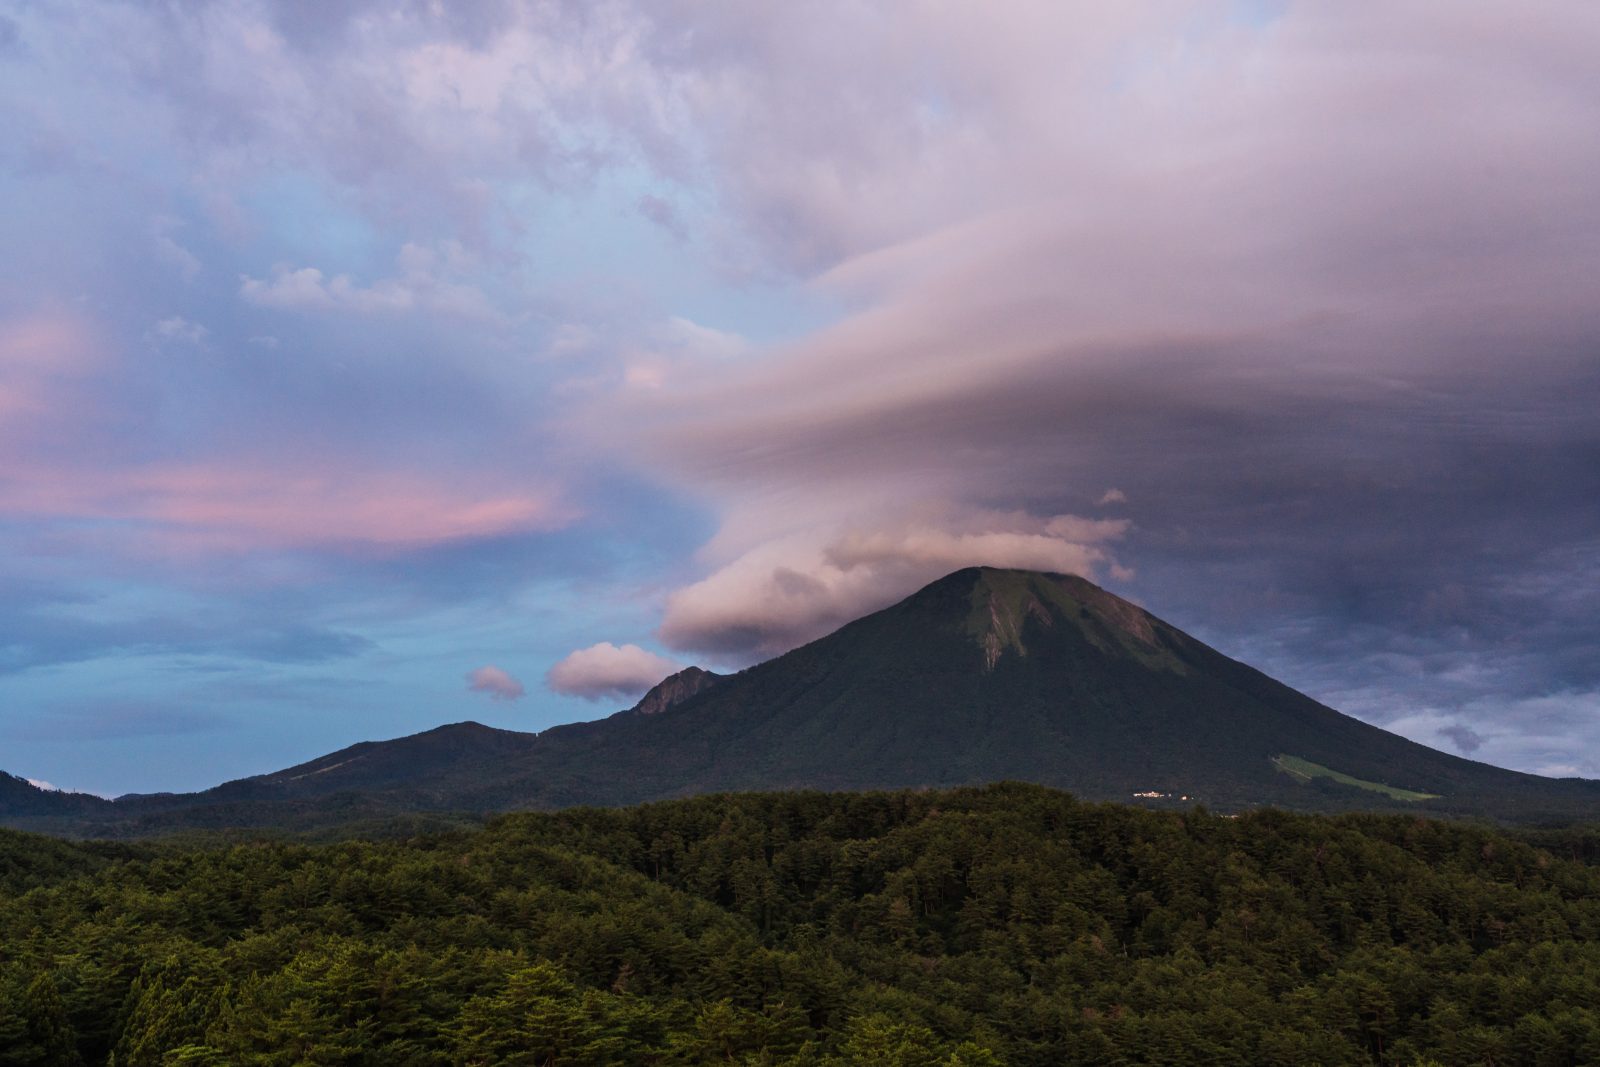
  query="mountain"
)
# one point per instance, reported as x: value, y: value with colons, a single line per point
x: 674, y: 690
x: 20, y: 797
x: 992, y: 674
x: 982, y: 676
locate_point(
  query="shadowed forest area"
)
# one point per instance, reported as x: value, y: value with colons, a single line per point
x: 1009, y: 924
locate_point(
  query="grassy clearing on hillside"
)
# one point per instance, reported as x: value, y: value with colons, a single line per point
x: 1304, y: 770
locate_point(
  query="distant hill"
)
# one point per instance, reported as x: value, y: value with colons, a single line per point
x: 985, y: 675
x: 20, y: 797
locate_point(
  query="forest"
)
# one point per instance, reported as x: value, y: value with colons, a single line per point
x: 1003, y: 925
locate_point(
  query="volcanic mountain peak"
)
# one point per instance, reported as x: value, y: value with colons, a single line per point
x: 1003, y: 601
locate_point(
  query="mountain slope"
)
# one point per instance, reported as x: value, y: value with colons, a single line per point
x: 674, y: 690
x: 982, y: 676
x: 988, y: 675
x: 20, y: 797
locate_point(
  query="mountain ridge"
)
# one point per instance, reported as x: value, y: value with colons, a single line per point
x: 984, y: 675
x: 673, y: 690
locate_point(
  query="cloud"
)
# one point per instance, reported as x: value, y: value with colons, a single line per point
x: 783, y: 593
x: 1312, y: 286
x: 676, y: 350
x: 55, y: 630
x: 429, y: 281
x: 282, y: 506
x: 1340, y: 371
x: 661, y: 212
x: 496, y: 683
x: 1112, y: 496
x: 1464, y: 738
x: 691, y: 339
x: 41, y: 356
x: 74, y: 722
x: 39, y: 783
x: 420, y: 117
x: 607, y: 672
x: 249, y: 505
x: 53, y: 371
x: 178, y: 329
x: 291, y: 288
x: 169, y: 251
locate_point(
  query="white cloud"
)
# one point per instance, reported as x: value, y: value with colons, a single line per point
x: 679, y: 349
x: 690, y: 339
x: 167, y: 249
x: 1554, y: 734
x: 175, y: 255
x: 429, y: 280
x: 495, y: 682
x: 40, y: 783
x: 289, y: 289
x: 1112, y: 496
x: 176, y: 328
x: 607, y: 672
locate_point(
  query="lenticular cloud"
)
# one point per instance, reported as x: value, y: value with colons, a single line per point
x: 785, y: 592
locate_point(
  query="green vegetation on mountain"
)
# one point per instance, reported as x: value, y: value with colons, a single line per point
x: 982, y: 676
x: 1006, y: 925
x: 1306, y: 771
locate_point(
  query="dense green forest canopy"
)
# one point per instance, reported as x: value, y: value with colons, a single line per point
x: 1001, y: 925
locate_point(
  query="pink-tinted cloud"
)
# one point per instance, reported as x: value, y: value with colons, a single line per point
x: 40, y: 356
x: 607, y: 672
x: 251, y: 505
x: 53, y: 467
x: 287, y: 507
x: 787, y: 591
x: 495, y: 682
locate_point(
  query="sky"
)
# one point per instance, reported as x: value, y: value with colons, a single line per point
x: 370, y: 366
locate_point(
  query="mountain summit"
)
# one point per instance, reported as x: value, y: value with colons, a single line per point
x: 983, y: 675
x: 674, y: 690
